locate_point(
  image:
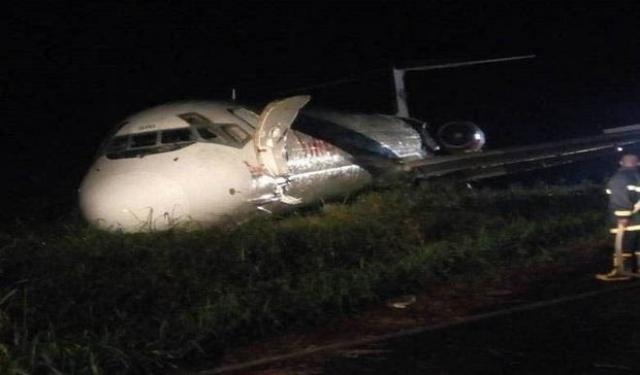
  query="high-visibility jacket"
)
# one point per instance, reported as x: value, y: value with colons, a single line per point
x: 624, y: 196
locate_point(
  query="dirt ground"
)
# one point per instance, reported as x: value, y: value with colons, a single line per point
x: 578, y: 337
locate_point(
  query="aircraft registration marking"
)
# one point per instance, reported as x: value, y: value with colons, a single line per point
x: 147, y: 127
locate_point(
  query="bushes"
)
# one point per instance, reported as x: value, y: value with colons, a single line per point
x: 78, y: 300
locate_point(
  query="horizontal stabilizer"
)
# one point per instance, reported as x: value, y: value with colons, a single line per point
x: 622, y: 129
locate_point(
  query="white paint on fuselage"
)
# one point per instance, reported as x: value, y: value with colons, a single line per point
x: 203, y: 183
x: 206, y: 184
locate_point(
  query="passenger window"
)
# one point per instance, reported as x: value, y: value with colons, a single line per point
x: 236, y: 133
x: 176, y: 136
x: 144, y: 140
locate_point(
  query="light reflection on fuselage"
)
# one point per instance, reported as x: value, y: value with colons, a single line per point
x: 207, y: 179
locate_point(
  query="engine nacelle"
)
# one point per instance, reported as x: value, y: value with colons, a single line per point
x: 461, y: 136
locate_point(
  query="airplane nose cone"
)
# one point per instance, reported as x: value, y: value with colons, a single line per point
x: 132, y: 202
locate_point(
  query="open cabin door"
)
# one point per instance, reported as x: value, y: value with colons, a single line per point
x: 271, y: 136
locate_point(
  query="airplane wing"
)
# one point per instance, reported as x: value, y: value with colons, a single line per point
x: 480, y: 165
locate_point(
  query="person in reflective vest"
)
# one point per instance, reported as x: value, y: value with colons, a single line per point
x: 624, y: 214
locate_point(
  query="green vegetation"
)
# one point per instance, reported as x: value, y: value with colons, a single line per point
x: 76, y: 300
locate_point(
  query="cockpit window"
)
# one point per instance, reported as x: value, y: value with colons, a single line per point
x: 176, y: 136
x: 142, y: 144
x: 224, y: 134
x: 245, y: 115
x: 144, y: 140
x: 118, y: 143
x: 200, y: 129
x: 227, y: 134
x: 235, y: 132
x: 207, y: 133
x: 194, y: 119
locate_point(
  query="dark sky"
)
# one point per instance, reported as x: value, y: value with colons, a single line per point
x: 71, y: 71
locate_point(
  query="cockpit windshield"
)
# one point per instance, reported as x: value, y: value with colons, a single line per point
x: 227, y: 134
x: 144, y: 140
x: 118, y: 144
x: 206, y: 134
x: 152, y: 142
x: 176, y: 136
x: 141, y: 144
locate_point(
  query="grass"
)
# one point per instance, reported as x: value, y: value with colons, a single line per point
x: 79, y: 301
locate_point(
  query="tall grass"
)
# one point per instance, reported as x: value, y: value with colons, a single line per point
x: 77, y: 300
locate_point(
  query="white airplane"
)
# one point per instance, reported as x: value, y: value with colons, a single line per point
x: 202, y: 164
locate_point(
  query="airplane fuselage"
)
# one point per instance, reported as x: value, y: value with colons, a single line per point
x: 197, y: 164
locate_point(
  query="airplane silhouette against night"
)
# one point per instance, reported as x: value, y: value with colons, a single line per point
x: 202, y: 164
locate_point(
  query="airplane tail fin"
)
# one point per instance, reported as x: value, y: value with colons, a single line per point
x: 402, y: 108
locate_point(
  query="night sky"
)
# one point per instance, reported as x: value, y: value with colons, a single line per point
x: 71, y: 71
